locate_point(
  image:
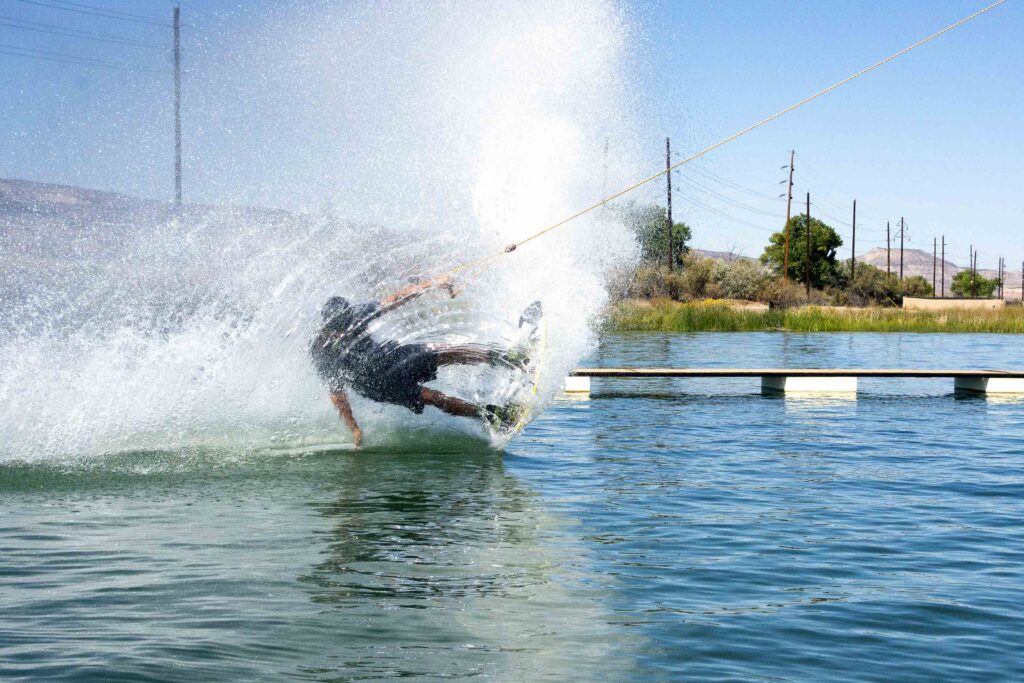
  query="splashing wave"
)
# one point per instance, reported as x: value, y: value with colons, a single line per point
x: 128, y: 326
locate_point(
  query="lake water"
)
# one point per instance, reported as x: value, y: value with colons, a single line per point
x: 660, y: 530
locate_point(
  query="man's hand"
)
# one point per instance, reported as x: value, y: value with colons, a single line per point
x: 340, y: 402
x: 445, y: 282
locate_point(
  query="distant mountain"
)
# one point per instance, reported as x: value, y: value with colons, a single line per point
x: 918, y: 262
x: 726, y: 256
x: 53, y: 236
x: 70, y: 256
x: 915, y: 262
x: 45, y: 224
x: 27, y: 195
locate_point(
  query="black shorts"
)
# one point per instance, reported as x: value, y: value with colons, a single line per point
x: 396, y: 375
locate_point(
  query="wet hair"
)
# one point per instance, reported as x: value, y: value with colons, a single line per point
x: 334, y: 309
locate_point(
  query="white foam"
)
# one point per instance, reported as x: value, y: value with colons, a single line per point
x: 472, y: 129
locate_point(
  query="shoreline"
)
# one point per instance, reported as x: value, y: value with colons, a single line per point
x: 666, y: 315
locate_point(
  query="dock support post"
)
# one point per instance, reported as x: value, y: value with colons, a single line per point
x: 989, y: 385
x: 773, y: 384
x: 577, y: 385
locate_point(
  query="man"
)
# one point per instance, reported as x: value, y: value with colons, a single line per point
x: 345, y: 353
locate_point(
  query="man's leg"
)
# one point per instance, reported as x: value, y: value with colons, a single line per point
x: 464, y: 355
x: 449, y: 404
x: 479, y: 355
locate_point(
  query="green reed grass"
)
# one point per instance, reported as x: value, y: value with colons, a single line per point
x: 665, y: 315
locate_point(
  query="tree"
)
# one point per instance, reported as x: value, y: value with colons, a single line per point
x: 917, y: 285
x: 648, y: 221
x: 824, y: 243
x: 967, y: 283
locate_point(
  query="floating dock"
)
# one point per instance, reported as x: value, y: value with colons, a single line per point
x: 813, y: 380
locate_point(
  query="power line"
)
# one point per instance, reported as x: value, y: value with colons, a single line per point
x: 841, y: 199
x: 732, y: 185
x: 825, y: 199
x: 715, y: 178
x: 838, y: 203
x: 729, y: 200
x: 96, y: 12
x: 817, y: 183
x: 65, y: 58
x: 810, y: 168
x: 68, y: 61
x: 832, y: 218
x: 742, y: 206
x: 726, y: 216
x: 105, y: 10
x: 73, y: 33
x: 726, y: 180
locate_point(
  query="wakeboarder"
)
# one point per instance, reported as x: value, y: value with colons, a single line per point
x: 346, y: 355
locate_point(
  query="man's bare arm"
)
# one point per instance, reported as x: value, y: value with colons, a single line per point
x: 407, y: 294
x: 340, y: 401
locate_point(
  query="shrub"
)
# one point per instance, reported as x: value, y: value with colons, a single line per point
x: 781, y: 294
x: 651, y: 283
x: 873, y: 286
x: 743, y: 279
x: 916, y: 285
x: 619, y: 282
x: 698, y: 274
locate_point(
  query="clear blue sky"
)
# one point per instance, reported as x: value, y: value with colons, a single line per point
x: 935, y: 136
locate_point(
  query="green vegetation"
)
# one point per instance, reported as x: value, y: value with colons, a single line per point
x: 824, y: 242
x: 649, y: 222
x: 873, y: 286
x: 665, y: 315
x: 916, y: 285
x: 966, y: 283
x: 687, y: 298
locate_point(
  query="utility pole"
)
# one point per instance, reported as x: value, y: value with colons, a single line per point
x: 902, y: 230
x: 972, y: 263
x: 888, y: 251
x: 789, y: 205
x: 853, y: 246
x: 976, y: 288
x: 668, y: 177
x: 1000, y: 277
x: 807, y: 261
x: 970, y: 266
x: 943, y: 285
x: 177, y: 106
x: 935, y: 253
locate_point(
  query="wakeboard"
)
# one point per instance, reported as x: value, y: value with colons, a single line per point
x: 521, y: 396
